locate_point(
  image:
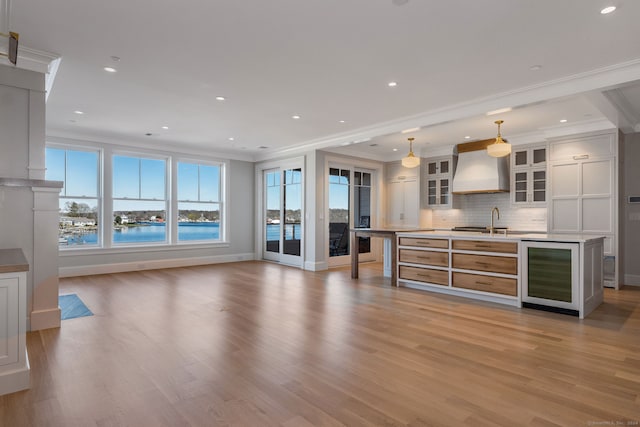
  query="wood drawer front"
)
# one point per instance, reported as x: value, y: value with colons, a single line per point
x: 493, y: 264
x: 438, y: 277
x: 424, y: 243
x: 440, y: 259
x: 496, y: 285
x: 486, y: 246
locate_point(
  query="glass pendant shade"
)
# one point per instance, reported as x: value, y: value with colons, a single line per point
x: 500, y: 148
x: 411, y: 161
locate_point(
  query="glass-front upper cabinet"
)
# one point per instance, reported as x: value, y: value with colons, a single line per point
x: 535, y: 156
x: 529, y: 175
x: 439, y: 173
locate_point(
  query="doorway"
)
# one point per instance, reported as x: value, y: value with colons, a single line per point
x: 283, y: 214
x: 349, y: 206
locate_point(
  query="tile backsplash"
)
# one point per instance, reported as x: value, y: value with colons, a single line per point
x: 475, y: 210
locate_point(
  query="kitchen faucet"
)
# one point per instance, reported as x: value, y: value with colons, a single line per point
x: 496, y: 210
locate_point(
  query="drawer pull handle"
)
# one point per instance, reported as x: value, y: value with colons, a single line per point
x: 423, y: 257
x: 482, y: 246
x: 483, y: 283
x: 482, y: 264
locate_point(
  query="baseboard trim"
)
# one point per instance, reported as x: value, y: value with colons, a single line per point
x: 122, y: 267
x: 15, y: 379
x: 631, y: 280
x: 316, y: 266
x: 44, y: 319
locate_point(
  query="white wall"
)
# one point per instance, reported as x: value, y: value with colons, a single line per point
x: 630, y: 227
x: 241, y: 239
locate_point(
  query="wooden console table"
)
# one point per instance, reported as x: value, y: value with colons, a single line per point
x: 385, y: 233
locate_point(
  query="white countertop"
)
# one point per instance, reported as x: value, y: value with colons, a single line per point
x: 510, y: 236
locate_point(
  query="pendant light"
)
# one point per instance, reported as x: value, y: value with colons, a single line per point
x: 500, y: 148
x: 411, y: 161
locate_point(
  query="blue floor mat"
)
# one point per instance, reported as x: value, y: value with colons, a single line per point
x: 71, y: 307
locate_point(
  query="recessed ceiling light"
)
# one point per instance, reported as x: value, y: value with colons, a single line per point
x: 535, y: 67
x: 467, y: 137
x: 165, y: 127
x: 342, y: 121
x: 395, y: 149
x: 399, y: 2
x: 231, y: 139
x: 79, y: 112
x: 373, y: 145
x: 295, y: 117
x: 220, y: 98
x: 110, y: 69
x: 410, y: 130
x: 563, y: 121
x: 392, y: 84
x: 115, y: 58
x: 148, y: 134
x: 607, y: 10
x: 499, y: 111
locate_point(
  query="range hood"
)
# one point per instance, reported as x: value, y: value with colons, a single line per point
x: 477, y: 172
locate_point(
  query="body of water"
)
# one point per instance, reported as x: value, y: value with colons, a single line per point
x: 187, y: 231
x: 147, y: 233
x: 291, y: 232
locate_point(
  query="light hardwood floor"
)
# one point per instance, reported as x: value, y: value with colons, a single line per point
x: 258, y: 344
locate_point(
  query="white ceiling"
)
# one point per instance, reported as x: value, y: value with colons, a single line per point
x: 331, y: 60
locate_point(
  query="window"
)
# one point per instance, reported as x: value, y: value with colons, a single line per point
x: 79, y: 197
x: 152, y: 198
x: 139, y: 200
x: 199, y: 201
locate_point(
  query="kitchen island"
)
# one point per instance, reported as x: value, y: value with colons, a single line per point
x: 553, y: 272
x: 390, y: 252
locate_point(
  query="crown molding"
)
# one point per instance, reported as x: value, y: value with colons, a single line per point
x: 166, y: 147
x: 39, y: 61
x: 594, y: 80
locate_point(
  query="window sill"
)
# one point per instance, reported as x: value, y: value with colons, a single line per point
x: 124, y: 249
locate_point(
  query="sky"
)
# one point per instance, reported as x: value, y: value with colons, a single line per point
x: 143, y: 178
x: 133, y: 178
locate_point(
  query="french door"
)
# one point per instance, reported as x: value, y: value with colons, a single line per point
x: 283, y: 214
x: 349, y: 206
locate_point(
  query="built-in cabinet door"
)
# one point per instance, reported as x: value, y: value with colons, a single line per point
x: 529, y: 176
x: 439, y: 174
x: 529, y: 187
x: 411, y: 203
x: 403, y: 202
x: 530, y: 157
x: 582, y: 196
x: 438, y: 167
x: 9, y: 321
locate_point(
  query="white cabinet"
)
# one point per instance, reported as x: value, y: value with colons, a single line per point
x: 583, y: 191
x: 402, y: 195
x: 14, y: 365
x: 438, y: 175
x: 403, y: 206
x: 529, y: 176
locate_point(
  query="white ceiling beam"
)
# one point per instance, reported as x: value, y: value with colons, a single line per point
x: 614, y: 106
